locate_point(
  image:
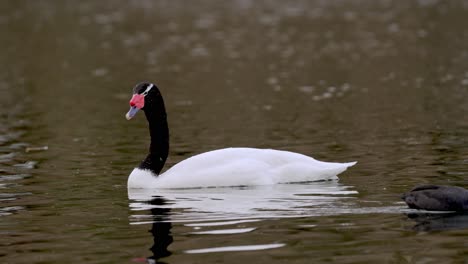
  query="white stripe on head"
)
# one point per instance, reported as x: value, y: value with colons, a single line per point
x: 148, y: 89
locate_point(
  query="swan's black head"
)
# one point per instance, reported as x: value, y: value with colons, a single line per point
x: 143, y: 95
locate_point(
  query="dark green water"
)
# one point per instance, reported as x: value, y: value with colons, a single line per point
x: 381, y: 82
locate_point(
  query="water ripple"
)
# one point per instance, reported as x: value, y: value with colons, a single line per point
x: 223, y: 223
x: 224, y: 231
x: 234, y: 248
x: 12, y: 164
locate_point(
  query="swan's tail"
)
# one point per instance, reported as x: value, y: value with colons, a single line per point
x: 350, y: 164
x: 336, y: 168
x: 305, y: 173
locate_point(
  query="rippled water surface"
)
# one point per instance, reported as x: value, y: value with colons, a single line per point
x: 381, y: 82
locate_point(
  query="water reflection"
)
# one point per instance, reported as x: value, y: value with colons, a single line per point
x: 439, y: 221
x: 215, y: 208
x: 161, y: 230
x: 273, y: 201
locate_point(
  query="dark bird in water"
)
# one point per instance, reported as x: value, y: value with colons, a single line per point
x: 437, y: 198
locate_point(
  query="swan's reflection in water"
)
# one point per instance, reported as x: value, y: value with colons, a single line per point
x: 160, y: 229
x: 229, y: 206
x: 281, y: 200
x: 438, y: 221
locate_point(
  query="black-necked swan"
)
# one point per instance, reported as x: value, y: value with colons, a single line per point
x: 437, y: 198
x: 222, y: 167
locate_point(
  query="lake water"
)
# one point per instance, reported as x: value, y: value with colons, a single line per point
x: 382, y: 82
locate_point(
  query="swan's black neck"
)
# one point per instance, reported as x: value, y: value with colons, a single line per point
x: 159, y: 131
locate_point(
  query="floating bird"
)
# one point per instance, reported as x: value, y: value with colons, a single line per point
x: 437, y: 198
x: 222, y: 167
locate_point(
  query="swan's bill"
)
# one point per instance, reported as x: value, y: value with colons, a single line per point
x: 131, y: 113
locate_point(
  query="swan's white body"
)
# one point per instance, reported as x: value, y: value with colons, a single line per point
x: 239, y: 167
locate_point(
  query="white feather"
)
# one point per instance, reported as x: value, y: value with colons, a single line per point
x: 239, y: 167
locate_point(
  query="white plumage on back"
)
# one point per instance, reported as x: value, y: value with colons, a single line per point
x: 239, y: 167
